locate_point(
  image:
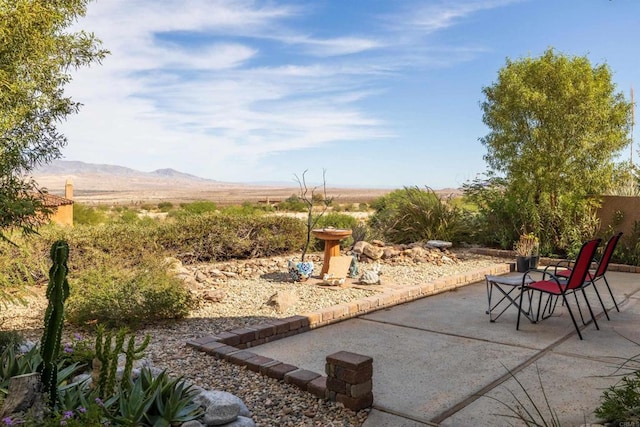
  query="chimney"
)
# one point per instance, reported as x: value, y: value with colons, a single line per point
x: 68, y: 190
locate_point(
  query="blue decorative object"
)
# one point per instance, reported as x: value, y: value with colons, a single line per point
x: 300, y: 271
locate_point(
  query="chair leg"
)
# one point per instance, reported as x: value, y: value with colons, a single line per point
x: 593, y: 317
x: 573, y: 319
x: 595, y: 288
x: 611, y: 293
x: 579, y: 309
x: 519, y: 309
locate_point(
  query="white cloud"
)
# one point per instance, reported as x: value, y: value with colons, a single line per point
x: 227, y: 97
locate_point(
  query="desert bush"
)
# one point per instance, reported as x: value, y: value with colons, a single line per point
x: 165, y: 206
x: 562, y: 224
x: 131, y: 297
x: 199, y: 207
x: 335, y: 220
x: 412, y: 214
x: 87, y: 215
x: 628, y: 249
x: 293, y: 204
x: 220, y: 237
x: 247, y: 208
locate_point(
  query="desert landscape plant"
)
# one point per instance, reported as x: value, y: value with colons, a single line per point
x: 413, y: 214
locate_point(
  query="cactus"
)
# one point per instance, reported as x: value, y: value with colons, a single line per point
x: 105, y: 365
x: 57, y: 293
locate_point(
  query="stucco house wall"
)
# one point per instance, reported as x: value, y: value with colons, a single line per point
x: 620, y: 213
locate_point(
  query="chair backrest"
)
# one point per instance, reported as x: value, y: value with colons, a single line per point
x: 582, y: 264
x: 606, y: 255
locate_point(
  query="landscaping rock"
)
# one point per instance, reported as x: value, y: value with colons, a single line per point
x: 283, y: 300
x: 221, y: 407
x: 373, y: 252
x: 241, y: 422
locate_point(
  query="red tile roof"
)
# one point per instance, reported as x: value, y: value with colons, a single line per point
x: 53, y: 201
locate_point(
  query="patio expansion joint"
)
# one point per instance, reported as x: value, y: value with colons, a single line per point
x: 450, y: 334
x: 502, y: 379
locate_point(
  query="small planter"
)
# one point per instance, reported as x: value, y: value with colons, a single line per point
x: 300, y: 271
x: 523, y: 263
x: 533, y: 263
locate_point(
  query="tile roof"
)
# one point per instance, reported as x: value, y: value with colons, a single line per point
x: 53, y: 201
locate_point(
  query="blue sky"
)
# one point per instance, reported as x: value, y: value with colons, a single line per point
x: 378, y: 93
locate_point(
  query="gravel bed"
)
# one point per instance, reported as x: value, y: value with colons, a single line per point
x: 272, y: 403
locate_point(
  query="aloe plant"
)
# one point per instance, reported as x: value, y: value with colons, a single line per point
x: 57, y: 293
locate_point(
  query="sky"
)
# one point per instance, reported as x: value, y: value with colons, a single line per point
x: 379, y: 93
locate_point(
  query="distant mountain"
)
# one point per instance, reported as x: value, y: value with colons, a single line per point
x: 73, y: 167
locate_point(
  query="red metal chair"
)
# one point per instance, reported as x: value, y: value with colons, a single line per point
x: 560, y: 286
x: 598, y: 274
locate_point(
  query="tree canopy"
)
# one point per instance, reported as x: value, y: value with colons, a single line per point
x: 556, y: 125
x: 37, y: 53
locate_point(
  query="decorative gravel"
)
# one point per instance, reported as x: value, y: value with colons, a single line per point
x: 273, y: 403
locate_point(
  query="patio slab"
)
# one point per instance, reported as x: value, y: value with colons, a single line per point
x: 439, y: 361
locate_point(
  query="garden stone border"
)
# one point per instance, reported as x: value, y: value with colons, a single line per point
x: 231, y: 345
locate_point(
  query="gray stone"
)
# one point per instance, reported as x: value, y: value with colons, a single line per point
x: 440, y: 244
x: 372, y: 276
x: 193, y: 423
x: 241, y: 422
x: 359, y: 246
x: 24, y: 394
x: 220, y: 407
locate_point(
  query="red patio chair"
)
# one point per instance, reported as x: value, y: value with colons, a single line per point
x: 598, y: 274
x: 560, y: 286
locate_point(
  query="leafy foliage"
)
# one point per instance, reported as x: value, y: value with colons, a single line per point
x: 412, y: 214
x: 131, y: 297
x: 335, y: 220
x: 556, y: 127
x: 37, y: 53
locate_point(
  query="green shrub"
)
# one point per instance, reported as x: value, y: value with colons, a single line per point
x: 247, y: 208
x: 221, y: 237
x: 165, y: 206
x: 628, y: 249
x: 620, y: 404
x: 199, y: 207
x: 132, y: 297
x: 335, y: 220
x: 87, y: 215
x: 503, y: 213
x: 293, y: 204
x: 412, y: 214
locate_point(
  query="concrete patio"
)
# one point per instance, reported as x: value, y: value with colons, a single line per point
x: 439, y: 361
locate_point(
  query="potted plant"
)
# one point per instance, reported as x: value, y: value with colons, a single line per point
x: 302, y: 270
x: 526, y: 249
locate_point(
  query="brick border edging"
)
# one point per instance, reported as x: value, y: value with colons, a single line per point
x: 231, y: 345
x: 502, y: 253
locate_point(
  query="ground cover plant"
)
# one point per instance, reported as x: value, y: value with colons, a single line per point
x: 120, y: 271
x: 413, y: 214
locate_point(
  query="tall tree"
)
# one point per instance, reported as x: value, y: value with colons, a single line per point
x: 556, y: 126
x: 37, y: 53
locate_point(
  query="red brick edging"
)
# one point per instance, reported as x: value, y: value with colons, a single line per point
x: 623, y: 268
x: 231, y: 345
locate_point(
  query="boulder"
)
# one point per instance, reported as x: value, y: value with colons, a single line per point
x: 283, y: 300
x: 220, y: 407
x: 240, y: 422
x: 358, y: 247
x: 373, y: 252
